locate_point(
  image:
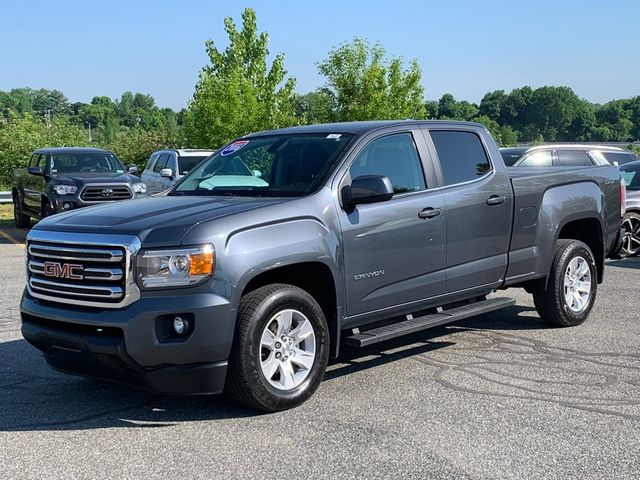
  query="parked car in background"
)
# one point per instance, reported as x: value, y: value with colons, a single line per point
x: 61, y: 179
x: 630, y: 229
x: 166, y: 167
x: 566, y: 156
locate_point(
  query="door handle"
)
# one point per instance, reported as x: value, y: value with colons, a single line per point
x: 429, y: 213
x: 495, y: 200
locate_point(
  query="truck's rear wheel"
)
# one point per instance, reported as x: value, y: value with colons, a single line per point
x: 19, y: 218
x: 281, y: 348
x: 571, y: 288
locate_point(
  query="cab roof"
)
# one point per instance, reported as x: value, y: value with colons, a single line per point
x: 359, y: 128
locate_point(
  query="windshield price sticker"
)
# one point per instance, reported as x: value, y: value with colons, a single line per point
x: 234, y: 147
x: 334, y: 136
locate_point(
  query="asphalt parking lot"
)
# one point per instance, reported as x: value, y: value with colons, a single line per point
x: 497, y: 396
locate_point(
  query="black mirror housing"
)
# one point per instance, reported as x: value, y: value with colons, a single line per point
x: 36, y: 171
x: 367, y: 189
x: 133, y: 169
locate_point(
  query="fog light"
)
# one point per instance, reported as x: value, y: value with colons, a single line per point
x: 66, y: 205
x: 180, y: 325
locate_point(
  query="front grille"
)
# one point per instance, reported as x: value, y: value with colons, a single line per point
x: 105, y: 193
x: 76, y: 272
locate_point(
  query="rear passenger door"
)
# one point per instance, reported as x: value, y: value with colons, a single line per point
x: 479, y: 202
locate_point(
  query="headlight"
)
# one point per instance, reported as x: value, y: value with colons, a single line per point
x: 175, y: 267
x: 139, y: 187
x: 65, y: 189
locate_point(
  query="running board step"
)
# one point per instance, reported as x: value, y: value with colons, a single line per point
x: 412, y: 325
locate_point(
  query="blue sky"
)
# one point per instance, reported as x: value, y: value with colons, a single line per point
x: 464, y: 47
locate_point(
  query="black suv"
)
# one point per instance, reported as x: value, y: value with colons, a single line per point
x: 61, y: 179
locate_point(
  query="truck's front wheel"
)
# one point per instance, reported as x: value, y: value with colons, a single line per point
x: 19, y: 218
x: 281, y: 348
x: 571, y: 288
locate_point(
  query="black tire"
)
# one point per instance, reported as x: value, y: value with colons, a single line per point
x: 550, y: 300
x: 246, y: 382
x: 19, y: 218
x: 47, y: 210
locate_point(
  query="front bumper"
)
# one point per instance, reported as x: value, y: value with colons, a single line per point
x: 123, y: 345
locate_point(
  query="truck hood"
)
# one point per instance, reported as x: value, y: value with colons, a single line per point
x: 157, y: 221
x: 80, y: 179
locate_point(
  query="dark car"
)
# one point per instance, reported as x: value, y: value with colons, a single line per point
x: 61, y: 179
x: 631, y: 221
x: 569, y: 155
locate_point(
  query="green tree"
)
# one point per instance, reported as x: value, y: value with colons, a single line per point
x: 237, y: 93
x: 21, y: 134
x: 316, y: 107
x: 492, y: 104
x: 135, y: 145
x: 366, y: 86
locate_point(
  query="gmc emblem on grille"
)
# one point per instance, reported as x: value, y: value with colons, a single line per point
x: 70, y: 271
x: 107, y: 192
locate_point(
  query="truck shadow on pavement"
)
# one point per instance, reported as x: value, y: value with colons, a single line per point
x: 633, y: 263
x: 34, y: 397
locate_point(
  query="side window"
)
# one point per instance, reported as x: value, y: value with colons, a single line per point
x: 540, y: 158
x: 161, y: 163
x: 394, y: 156
x: 149, y: 165
x: 462, y: 156
x: 573, y: 158
x: 33, y: 161
x: 172, y: 163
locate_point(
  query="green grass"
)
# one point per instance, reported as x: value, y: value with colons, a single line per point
x: 6, y: 214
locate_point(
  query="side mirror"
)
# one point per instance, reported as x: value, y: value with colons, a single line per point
x: 36, y: 171
x: 367, y: 189
x: 132, y: 169
x: 166, y: 172
x: 256, y: 173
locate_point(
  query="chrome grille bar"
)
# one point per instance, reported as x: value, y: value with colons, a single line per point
x: 71, y: 253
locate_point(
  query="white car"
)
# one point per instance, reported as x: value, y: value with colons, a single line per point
x: 166, y: 167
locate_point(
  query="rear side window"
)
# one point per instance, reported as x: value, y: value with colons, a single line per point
x: 541, y: 158
x: 462, y: 156
x: 620, y: 157
x: 394, y: 156
x: 162, y: 162
x: 186, y: 164
x: 573, y: 158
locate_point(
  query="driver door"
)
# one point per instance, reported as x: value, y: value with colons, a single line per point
x: 394, y: 254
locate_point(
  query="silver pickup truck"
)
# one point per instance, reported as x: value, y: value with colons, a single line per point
x: 358, y: 233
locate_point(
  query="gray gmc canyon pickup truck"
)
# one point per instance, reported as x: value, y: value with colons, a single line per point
x: 361, y: 232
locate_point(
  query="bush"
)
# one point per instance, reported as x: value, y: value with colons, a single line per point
x: 22, y: 134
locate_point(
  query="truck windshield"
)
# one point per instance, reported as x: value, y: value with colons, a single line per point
x: 279, y: 166
x: 85, y: 163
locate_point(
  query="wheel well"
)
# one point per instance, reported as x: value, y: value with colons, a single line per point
x: 313, y: 277
x: 589, y: 231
